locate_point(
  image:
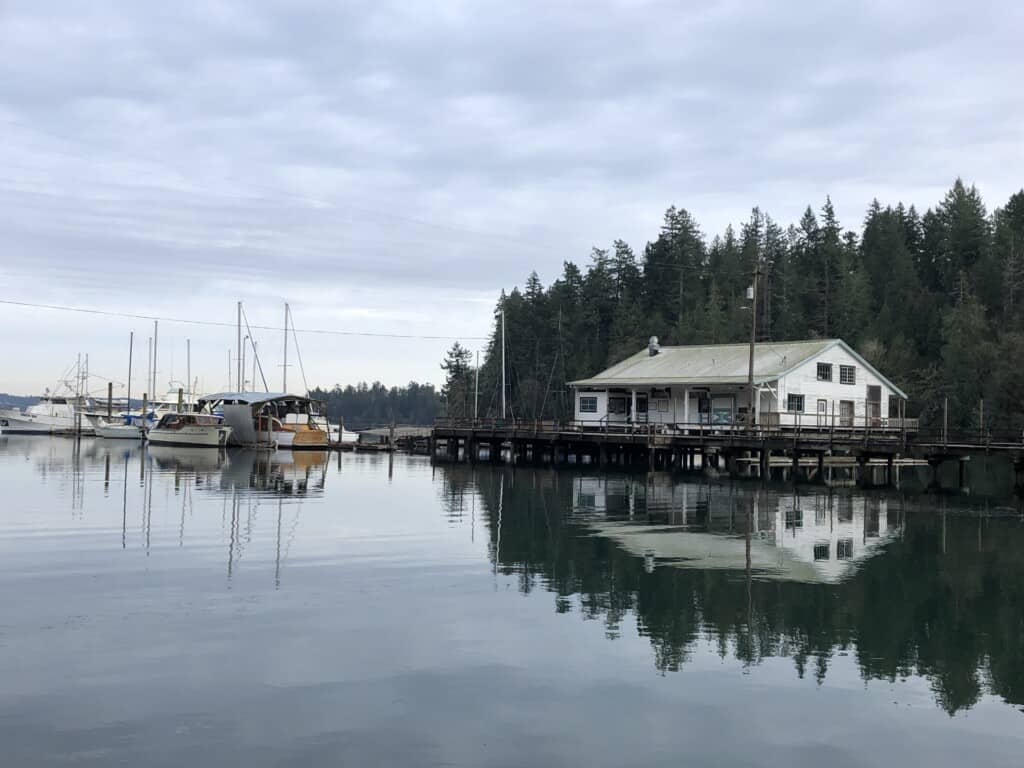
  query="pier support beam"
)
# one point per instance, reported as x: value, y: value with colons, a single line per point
x: 1018, y: 474
x: 862, y: 472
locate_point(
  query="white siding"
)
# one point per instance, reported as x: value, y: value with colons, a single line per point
x: 804, y: 381
x: 602, y: 407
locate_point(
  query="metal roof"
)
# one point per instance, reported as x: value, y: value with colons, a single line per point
x: 717, y: 364
x: 251, y: 398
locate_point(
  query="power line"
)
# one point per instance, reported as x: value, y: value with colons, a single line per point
x: 218, y: 324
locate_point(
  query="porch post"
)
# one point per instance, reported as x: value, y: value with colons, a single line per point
x: 634, y: 414
x: 756, y: 394
x: 686, y: 406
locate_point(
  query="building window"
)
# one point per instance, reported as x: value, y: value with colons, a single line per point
x: 824, y: 371
x: 588, y: 405
x: 821, y: 550
x: 617, y: 405
x: 847, y: 374
x: 795, y: 403
x: 844, y: 549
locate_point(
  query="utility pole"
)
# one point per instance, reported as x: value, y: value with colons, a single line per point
x: 751, y: 420
x: 476, y: 388
x: 503, y: 409
x: 188, y: 369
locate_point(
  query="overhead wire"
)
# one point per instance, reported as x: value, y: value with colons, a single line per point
x: 223, y: 324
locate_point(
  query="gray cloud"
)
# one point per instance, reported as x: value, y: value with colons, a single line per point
x: 441, y: 150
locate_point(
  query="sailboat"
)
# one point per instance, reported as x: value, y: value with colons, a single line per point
x: 127, y: 430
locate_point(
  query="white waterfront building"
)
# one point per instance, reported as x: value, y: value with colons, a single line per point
x: 808, y: 384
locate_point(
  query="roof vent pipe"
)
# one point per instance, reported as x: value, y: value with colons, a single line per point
x: 653, y: 347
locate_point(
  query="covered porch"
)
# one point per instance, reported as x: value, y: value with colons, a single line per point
x: 724, y: 406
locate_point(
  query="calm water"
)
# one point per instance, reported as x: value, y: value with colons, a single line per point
x: 176, y: 607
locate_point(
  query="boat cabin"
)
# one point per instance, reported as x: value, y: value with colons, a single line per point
x: 182, y: 420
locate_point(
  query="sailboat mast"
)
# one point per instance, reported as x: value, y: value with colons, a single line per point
x: 188, y: 369
x: 131, y: 346
x: 238, y: 353
x: 156, y: 332
x: 284, y: 376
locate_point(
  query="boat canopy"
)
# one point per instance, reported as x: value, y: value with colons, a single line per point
x: 251, y: 398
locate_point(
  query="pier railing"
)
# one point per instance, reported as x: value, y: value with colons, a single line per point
x: 769, y: 425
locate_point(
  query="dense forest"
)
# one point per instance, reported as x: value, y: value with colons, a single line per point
x: 373, y: 405
x: 935, y: 300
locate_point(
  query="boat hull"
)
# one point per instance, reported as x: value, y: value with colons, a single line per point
x: 302, y: 440
x: 118, y: 431
x: 20, y: 425
x: 196, y: 436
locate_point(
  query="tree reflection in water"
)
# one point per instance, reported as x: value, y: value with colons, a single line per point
x: 907, y: 585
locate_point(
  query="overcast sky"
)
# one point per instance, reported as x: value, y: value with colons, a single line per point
x: 389, y: 167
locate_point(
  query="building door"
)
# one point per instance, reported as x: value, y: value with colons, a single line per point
x: 874, y: 405
x: 846, y: 413
x: 822, y: 414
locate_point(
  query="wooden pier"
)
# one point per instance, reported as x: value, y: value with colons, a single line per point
x: 869, y: 445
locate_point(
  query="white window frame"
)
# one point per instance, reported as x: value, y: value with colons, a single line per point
x: 789, y: 400
x: 848, y: 369
x: 819, y: 368
x: 586, y: 400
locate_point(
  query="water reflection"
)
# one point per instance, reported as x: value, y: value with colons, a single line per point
x: 908, y: 585
x: 816, y: 537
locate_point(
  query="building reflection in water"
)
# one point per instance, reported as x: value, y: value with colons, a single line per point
x: 808, y: 537
x: 904, y: 585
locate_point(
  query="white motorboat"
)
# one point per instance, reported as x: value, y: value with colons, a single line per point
x: 195, y: 429
x: 119, y: 431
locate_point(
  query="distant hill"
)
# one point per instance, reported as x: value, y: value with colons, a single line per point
x: 16, y: 401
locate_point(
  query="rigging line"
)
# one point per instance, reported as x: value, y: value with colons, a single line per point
x: 255, y: 354
x: 219, y: 324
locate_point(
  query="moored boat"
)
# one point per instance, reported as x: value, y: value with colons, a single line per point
x: 195, y: 429
x: 269, y: 419
x: 51, y: 415
x: 119, y: 431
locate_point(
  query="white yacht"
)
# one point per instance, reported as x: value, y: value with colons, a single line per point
x: 53, y: 414
x: 196, y: 429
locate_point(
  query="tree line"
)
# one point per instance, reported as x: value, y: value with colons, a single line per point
x: 934, y: 300
x: 363, y: 405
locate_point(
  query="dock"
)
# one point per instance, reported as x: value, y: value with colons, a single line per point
x: 732, y: 448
